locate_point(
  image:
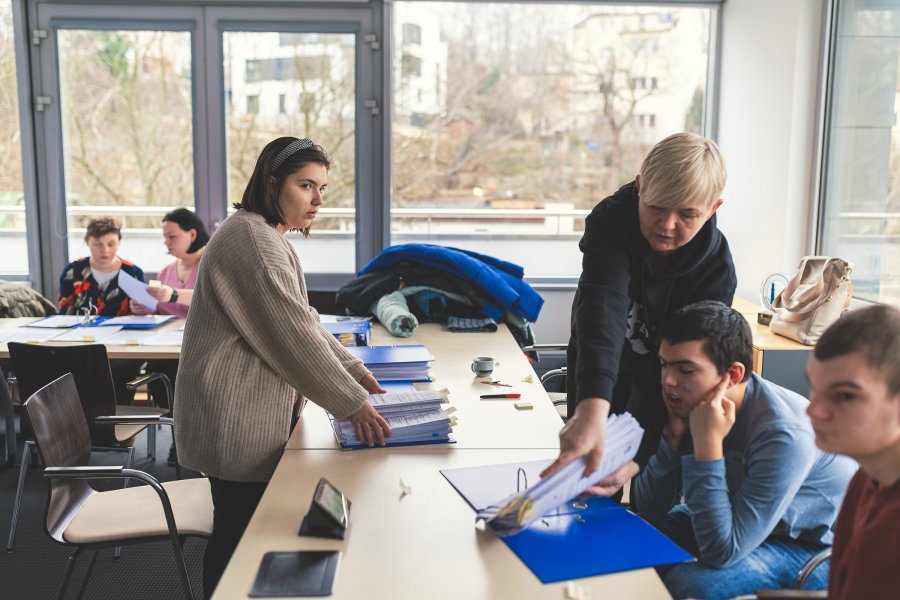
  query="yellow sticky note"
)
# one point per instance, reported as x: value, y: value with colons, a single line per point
x: 88, y: 338
x: 154, y: 283
x: 132, y: 343
x: 523, y: 405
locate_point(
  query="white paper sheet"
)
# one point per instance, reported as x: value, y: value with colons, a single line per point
x: 136, y: 290
x: 26, y: 335
x: 489, y: 484
x: 164, y: 338
x: 58, y: 321
x: 88, y: 335
x: 129, y: 337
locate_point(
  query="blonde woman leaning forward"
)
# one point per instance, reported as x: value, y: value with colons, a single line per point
x: 648, y: 250
x: 253, y: 343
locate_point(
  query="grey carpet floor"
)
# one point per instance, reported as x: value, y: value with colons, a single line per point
x: 33, y: 569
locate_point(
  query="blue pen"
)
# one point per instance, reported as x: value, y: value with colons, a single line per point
x: 772, y: 294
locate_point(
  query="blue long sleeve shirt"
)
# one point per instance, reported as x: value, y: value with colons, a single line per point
x: 772, y: 480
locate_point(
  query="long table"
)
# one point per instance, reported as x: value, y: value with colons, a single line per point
x: 121, y: 351
x: 482, y: 423
x: 115, y: 352
x: 423, y: 544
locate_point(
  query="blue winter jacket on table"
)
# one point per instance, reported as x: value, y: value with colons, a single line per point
x: 496, y: 279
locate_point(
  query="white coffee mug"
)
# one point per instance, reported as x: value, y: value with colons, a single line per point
x: 482, y: 365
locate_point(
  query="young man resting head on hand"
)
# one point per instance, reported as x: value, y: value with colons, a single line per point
x: 737, y: 479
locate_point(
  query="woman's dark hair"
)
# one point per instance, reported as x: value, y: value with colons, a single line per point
x: 262, y: 197
x: 725, y: 333
x: 187, y: 220
x: 97, y: 228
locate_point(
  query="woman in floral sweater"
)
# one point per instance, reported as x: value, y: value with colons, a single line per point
x: 93, y: 281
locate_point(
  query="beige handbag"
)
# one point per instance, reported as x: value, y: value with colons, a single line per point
x: 813, y: 299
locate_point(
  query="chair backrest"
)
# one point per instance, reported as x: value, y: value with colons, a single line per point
x: 63, y: 440
x: 36, y: 366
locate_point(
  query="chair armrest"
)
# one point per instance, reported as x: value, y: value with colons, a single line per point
x: 148, y: 378
x: 535, y: 350
x: 134, y: 420
x: 553, y: 374
x: 103, y: 472
x: 539, y: 347
x: 790, y: 594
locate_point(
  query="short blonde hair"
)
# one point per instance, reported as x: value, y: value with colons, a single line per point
x: 100, y: 226
x: 681, y: 168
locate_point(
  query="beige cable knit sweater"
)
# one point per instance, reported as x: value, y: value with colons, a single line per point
x: 250, y: 341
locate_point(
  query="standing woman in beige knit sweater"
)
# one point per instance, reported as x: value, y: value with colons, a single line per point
x: 253, y: 346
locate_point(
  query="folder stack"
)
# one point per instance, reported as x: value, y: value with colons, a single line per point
x: 350, y: 333
x: 415, y: 417
x: 395, y: 363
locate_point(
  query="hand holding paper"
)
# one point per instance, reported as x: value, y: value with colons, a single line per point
x: 518, y: 511
x: 136, y: 290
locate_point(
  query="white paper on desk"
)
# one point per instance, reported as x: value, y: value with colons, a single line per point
x: 164, y: 338
x: 485, y: 485
x: 136, y: 290
x: 87, y: 334
x: 623, y: 437
x: 58, y: 321
x: 25, y: 335
x: 129, y: 337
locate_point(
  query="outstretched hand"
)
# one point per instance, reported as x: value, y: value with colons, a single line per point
x: 583, y: 435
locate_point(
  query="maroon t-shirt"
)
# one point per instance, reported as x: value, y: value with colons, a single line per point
x: 865, y: 560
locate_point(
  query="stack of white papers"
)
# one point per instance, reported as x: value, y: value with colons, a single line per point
x: 510, y: 516
x: 414, y: 418
x: 405, y: 402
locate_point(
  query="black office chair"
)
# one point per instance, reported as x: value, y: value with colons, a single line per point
x: 36, y: 365
x: 77, y: 515
x: 549, y: 378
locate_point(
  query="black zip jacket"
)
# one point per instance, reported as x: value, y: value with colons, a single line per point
x: 621, y: 303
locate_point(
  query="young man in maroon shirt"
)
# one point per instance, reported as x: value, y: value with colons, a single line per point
x: 854, y: 376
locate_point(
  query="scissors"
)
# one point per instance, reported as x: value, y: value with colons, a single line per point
x: 496, y: 383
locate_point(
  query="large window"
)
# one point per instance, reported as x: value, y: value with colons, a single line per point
x: 511, y: 121
x: 302, y: 85
x: 13, y: 249
x: 861, y: 215
x: 507, y: 122
x: 127, y: 134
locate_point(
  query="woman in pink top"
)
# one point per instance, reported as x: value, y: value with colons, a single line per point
x: 185, y: 237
